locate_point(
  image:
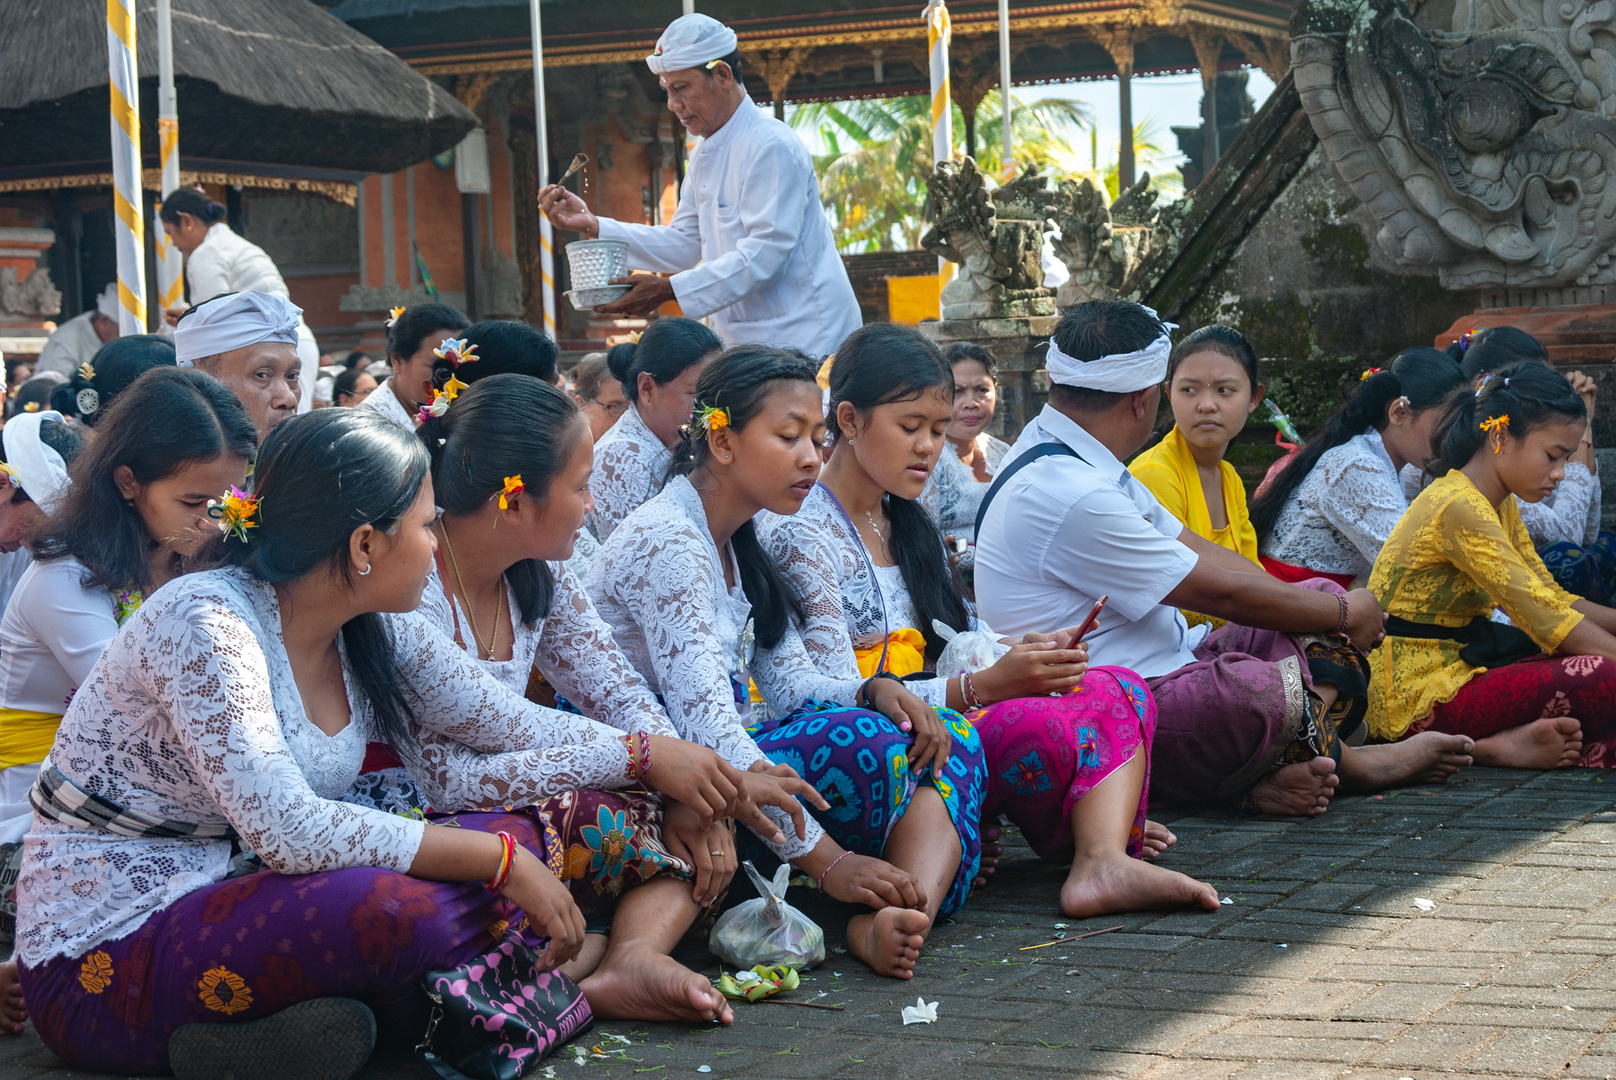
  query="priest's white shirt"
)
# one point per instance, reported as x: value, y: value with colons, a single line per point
x: 750, y: 248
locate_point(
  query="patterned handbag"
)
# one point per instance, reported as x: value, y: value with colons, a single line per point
x: 497, y: 1017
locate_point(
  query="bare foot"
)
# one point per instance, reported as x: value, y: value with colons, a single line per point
x: 1299, y: 790
x: 638, y: 984
x: 889, y: 940
x: 583, y: 965
x: 992, y: 852
x: 1112, y: 882
x: 1549, y: 743
x: 1158, y: 838
x: 1427, y: 758
x: 13, y: 1013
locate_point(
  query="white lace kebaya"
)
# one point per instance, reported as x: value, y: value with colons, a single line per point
x: 659, y: 584
x: 1570, y: 515
x: 193, y: 715
x: 953, y: 493
x: 1338, y: 518
x: 630, y: 465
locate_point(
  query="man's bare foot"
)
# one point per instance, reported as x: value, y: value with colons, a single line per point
x: 583, y: 965
x: 992, y: 852
x: 1427, y: 758
x: 889, y: 940
x: 1158, y: 838
x: 1112, y: 882
x: 638, y: 984
x: 1299, y: 790
x: 1549, y: 743
x: 13, y: 1013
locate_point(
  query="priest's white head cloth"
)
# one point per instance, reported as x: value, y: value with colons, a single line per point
x: 691, y: 41
x: 234, y: 321
x: 107, y: 303
x: 1118, y: 373
x: 34, y: 466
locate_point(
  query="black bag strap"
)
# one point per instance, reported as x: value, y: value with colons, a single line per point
x: 1042, y: 450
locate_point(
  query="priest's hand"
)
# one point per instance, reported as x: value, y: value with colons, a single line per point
x: 650, y: 292
x: 567, y: 211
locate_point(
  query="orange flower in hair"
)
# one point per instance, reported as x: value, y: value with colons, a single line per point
x: 712, y: 418
x: 1500, y: 424
x: 1370, y: 373
x: 513, y: 486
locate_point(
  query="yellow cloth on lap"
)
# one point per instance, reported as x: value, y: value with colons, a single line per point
x: 906, y: 654
x: 26, y: 737
x: 1168, y: 469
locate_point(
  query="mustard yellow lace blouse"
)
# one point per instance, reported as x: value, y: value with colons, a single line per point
x: 1451, y: 558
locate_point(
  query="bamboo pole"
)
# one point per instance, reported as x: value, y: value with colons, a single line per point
x: 170, y: 263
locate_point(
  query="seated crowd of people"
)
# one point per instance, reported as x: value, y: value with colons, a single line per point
x: 302, y: 712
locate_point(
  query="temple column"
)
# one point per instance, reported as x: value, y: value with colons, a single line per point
x: 1119, y: 41
x: 1208, y: 46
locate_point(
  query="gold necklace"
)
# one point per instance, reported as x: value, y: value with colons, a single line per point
x: 470, y: 618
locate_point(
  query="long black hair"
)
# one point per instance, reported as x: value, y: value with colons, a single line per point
x: 740, y: 382
x: 117, y: 364
x: 879, y: 364
x: 505, y: 425
x: 1529, y: 393
x: 416, y: 323
x: 193, y: 201
x: 319, y: 477
x: 666, y: 351
x: 1497, y: 348
x: 200, y: 419
x: 1423, y: 375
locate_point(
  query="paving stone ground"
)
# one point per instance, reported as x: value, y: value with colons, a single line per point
x: 1323, y: 967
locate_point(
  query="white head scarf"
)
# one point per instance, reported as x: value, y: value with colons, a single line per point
x: 691, y: 41
x: 235, y: 321
x: 1119, y: 373
x: 36, y: 468
x: 107, y: 303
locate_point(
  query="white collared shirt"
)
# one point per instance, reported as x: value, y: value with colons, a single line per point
x: 749, y: 244
x: 1062, y: 532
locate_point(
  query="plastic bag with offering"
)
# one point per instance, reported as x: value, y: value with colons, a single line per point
x: 969, y: 650
x: 767, y: 930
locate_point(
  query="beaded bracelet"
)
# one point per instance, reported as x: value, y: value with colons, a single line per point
x: 1341, y: 628
x: 507, y: 860
x: 968, y: 693
x: 823, y: 874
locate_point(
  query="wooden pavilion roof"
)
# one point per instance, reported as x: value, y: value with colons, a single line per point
x: 807, y: 50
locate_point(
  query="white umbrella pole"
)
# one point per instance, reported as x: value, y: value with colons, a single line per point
x: 126, y: 193
x: 546, y: 233
x: 170, y: 263
x: 1004, y: 81
x: 938, y: 36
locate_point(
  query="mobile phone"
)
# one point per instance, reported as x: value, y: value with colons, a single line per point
x: 1089, y: 623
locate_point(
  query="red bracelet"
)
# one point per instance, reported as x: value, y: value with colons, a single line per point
x: 823, y: 874
x: 507, y: 861
x: 645, y: 754
x: 639, y: 754
x: 968, y: 693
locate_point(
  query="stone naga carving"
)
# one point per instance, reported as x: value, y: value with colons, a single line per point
x: 1100, y: 242
x: 1483, y: 147
x: 34, y: 296
x: 996, y: 237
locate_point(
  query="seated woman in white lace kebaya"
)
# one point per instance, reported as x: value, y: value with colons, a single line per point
x: 1328, y: 512
x: 225, y: 722
x: 658, y: 376
x: 511, y: 461
x: 688, y: 591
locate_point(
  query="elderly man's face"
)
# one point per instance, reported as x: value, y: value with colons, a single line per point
x: 106, y: 329
x: 264, y: 377
x: 702, y: 100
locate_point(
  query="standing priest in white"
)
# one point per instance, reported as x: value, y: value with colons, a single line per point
x: 749, y: 246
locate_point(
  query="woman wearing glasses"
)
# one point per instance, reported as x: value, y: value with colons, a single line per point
x: 600, y: 393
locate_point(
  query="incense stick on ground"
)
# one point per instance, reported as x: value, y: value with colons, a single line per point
x: 803, y: 1004
x: 1068, y: 940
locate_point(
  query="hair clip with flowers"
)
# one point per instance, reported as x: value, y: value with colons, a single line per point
x: 1370, y: 373
x: 392, y: 317
x: 1500, y: 424
x: 87, y: 371
x: 513, y: 486
x: 456, y: 351
x: 1467, y: 337
x: 234, y: 513
x: 633, y: 337
x: 711, y: 418
x: 32, y: 406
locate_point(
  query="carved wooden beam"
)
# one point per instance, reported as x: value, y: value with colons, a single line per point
x: 471, y: 89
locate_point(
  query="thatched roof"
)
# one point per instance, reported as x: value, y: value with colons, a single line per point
x: 272, y: 81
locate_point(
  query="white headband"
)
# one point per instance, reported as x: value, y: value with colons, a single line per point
x: 1119, y: 373
x: 235, y: 321
x: 107, y: 302
x: 37, y: 469
x: 691, y: 41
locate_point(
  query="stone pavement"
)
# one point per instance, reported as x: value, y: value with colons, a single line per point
x: 1324, y: 966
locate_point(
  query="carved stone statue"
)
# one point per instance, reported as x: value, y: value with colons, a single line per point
x: 996, y: 237
x: 32, y: 297
x: 1100, y: 242
x: 1484, y: 146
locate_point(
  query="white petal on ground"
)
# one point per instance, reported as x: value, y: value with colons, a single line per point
x: 920, y: 1012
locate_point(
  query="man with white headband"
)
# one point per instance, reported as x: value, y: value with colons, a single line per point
x: 1254, y: 714
x: 248, y: 341
x: 749, y: 246
x: 78, y: 339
